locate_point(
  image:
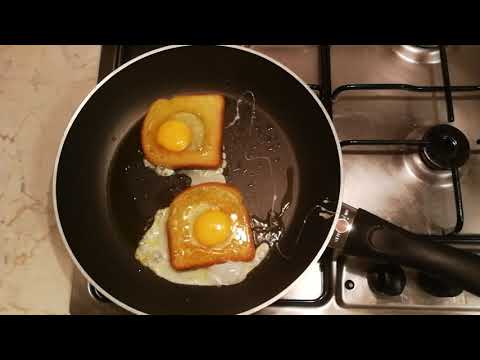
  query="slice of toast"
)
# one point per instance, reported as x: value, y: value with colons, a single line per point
x: 185, y: 251
x: 209, y: 108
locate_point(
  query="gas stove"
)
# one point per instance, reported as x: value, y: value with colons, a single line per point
x: 384, y: 101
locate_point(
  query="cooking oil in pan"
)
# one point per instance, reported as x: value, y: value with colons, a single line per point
x: 244, y: 98
x: 254, y: 141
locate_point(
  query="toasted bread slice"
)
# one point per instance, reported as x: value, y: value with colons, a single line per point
x: 188, y: 253
x: 205, y: 151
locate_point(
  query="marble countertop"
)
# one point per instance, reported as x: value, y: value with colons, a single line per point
x: 40, y: 88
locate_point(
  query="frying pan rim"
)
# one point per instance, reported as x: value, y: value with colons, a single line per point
x: 132, y: 61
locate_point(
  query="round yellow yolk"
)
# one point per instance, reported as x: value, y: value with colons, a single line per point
x: 212, y: 227
x: 174, y: 135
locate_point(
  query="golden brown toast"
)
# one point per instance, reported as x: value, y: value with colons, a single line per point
x: 185, y: 251
x: 209, y: 108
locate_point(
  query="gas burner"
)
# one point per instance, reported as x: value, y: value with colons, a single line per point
x: 419, y: 54
x: 417, y: 168
x: 448, y: 147
x: 430, y: 165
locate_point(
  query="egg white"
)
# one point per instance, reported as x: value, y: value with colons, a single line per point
x: 197, y: 128
x: 197, y: 176
x: 160, y: 170
x: 153, y: 253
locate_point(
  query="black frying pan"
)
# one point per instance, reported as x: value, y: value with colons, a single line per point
x: 105, y: 197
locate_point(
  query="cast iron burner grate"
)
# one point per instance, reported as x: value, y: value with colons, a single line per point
x: 432, y: 152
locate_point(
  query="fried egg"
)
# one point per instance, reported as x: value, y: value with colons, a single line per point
x: 209, y: 224
x: 205, y: 239
x: 153, y: 252
x: 184, y: 131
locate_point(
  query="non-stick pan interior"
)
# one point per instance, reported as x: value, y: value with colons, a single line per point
x: 281, y: 150
x: 260, y: 162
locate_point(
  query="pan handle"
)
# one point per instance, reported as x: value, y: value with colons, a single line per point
x: 371, y: 236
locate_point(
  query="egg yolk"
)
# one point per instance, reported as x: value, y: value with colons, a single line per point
x: 174, y: 135
x: 212, y: 228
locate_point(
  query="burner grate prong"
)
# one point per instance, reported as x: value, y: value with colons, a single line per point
x: 447, y: 88
x: 401, y: 87
x: 446, y: 81
x: 457, y: 190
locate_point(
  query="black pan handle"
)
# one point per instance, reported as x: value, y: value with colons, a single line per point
x: 371, y: 236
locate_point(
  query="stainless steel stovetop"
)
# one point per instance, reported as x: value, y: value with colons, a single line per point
x: 389, y: 181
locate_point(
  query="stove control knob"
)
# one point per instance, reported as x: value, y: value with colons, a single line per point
x: 386, y: 279
x: 438, y: 287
